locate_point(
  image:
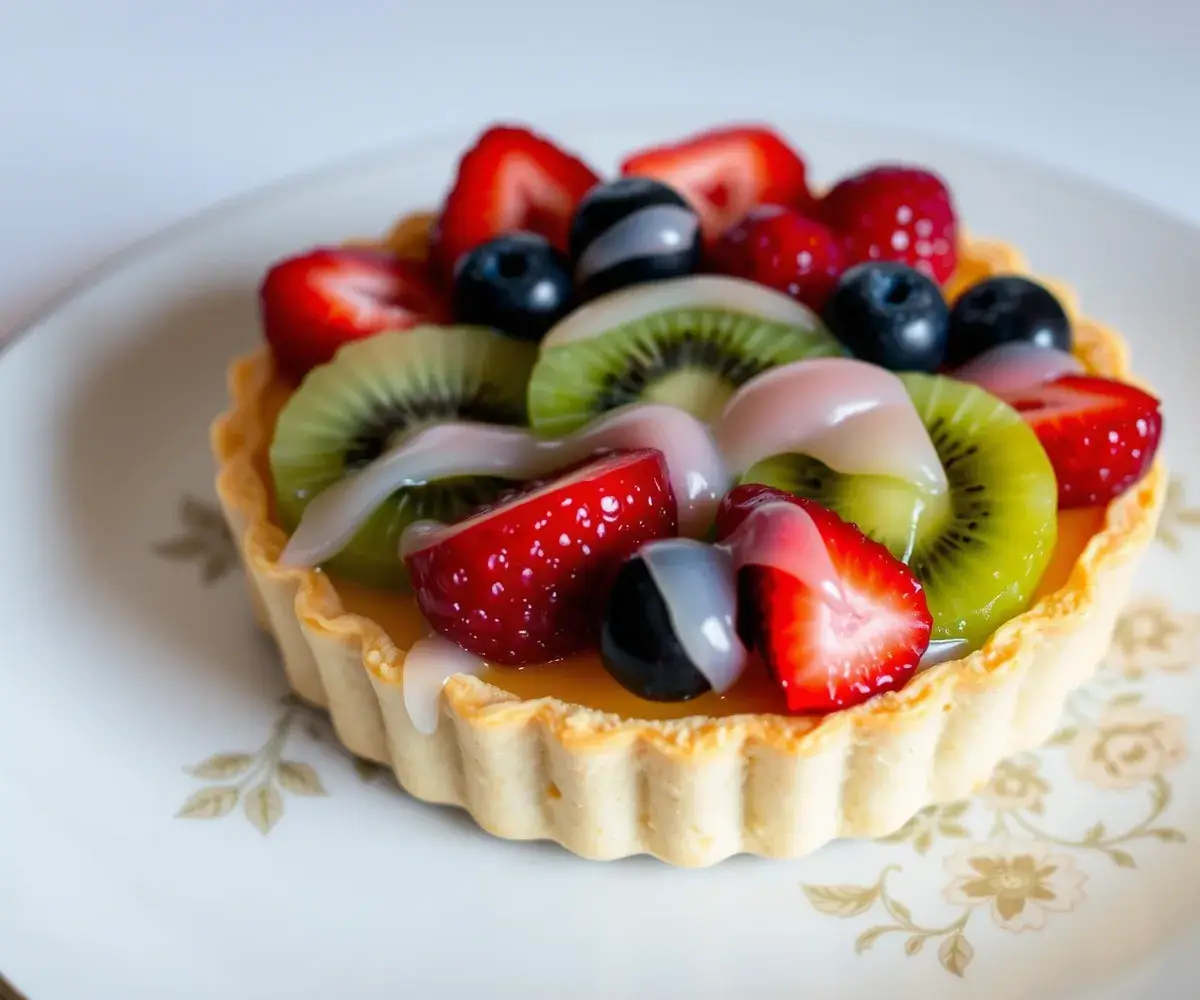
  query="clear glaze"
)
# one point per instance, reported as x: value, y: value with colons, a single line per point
x: 855, y: 417
x: 1017, y: 365
x: 697, y: 472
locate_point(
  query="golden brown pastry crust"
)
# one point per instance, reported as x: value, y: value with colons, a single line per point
x: 695, y: 790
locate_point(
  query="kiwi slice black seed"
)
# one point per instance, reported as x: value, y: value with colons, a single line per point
x: 979, y: 551
x: 346, y: 413
x: 694, y: 358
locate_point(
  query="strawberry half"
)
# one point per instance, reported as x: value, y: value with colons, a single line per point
x: 524, y: 581
x: 312, y: 304
x: 511, y: 180
x: 1101, y: 435
x: 825, y: 658
x: 725, y: 172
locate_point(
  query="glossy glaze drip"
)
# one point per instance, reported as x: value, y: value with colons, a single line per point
x: 697, y: 472
x: 648, y: 232
x: 855, y: 417
x: 428, y: 665
x: 707, y: 291
x: 1017, y: 365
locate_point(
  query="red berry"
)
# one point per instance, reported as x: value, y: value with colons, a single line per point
x: 725, y: 172
x: 511, y: 180
x: 825, y: 658
x: 524, y: 581
x: 314, y: 303
x: 780, y: 248
x: 1101, y: 435
x: 895, y: 213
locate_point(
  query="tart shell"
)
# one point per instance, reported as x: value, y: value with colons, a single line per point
x: 697, y: 790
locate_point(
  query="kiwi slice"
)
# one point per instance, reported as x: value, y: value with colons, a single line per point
x: 689, y: 342
x: 982, y: 548
x: 346, y: 413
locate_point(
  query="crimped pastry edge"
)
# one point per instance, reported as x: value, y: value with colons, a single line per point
x: 697, y: 790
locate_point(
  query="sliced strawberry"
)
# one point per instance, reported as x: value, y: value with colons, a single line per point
x: 1101, y: 435
x: 726, y: 172
x: 511, y: 180
x: 314, y: 303
x: 823, y: 656
x: 524, y: 581
x: 894, y: 212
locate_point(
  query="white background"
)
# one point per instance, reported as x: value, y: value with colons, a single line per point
x: 117, y: 118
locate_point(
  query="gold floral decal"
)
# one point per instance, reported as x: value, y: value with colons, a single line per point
x: 261, y: 774
x: 1151, y: 637
x: 1176, y: 517
x: 1026, y: 872
x: 205, y: 539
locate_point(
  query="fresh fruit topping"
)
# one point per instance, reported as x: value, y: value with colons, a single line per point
x: 629, y: 231
x: 519, y: 582
x: 782, y: 249
x: 689, y: 342
x: 511, y: 180
x: 979, y: 549
x: 664, y: 648
x: 831, y: 654
x: 895, y: 213
x: 1016, y: 365
x: 725, y: 172
x: 891, y: 315
x: 849, y: 414
x: 314, y: 303
x: 451, y: 452
x: 347, y: 413
x: 516, y: 283
x: 1101, y: 435
x: 1002, y: 310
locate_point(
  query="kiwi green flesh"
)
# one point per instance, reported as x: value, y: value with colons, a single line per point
x: 694, y: 359
x: 346, y: 413
x: 980, y: 549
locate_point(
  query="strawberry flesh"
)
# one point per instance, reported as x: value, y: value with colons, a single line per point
x: 524, y: 581
x: 723, y: 173
x: 1100, y: 435
x: 826, y: 658
x: 314, y: 303
x: 511, y: 180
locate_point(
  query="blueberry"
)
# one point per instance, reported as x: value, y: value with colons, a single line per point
x: 516, y: 283
x: 891, y: 315
x: 639, y: 644
x: 1005, y: 309
x: 630, y: 231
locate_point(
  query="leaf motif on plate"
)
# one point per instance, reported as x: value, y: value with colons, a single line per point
x: 205, y: 539
x: 868, y: 937
x: 210, y: 802
x: 841, y: 900
x: 913, y: 945
x: 300, y: 778
x: 263, y: 807
x: 221, y: 766
x: 955, y: 953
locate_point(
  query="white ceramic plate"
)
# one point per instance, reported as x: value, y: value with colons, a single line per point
x: 127, y: 655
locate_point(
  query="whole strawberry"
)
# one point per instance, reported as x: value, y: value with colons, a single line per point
x: 780, y: 248
x: 895, y: 213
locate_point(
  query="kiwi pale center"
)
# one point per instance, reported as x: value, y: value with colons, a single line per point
x: 697, y: 390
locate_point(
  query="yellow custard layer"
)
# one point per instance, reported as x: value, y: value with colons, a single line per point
x: 582, y: 680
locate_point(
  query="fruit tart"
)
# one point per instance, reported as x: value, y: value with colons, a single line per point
x: 686, y: 511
